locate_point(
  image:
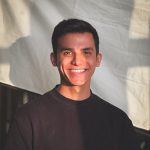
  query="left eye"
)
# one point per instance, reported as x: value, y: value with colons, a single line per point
x: 87, y: 52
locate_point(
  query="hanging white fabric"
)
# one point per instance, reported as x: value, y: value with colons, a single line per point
x: 123, y: 79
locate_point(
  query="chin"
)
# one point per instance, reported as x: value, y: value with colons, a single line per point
x: 74, y: 82
x: 78, y: 83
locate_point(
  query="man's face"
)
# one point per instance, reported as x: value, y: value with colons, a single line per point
x: 76, y: 58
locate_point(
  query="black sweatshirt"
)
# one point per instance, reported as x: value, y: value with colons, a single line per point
x: 53, y: 122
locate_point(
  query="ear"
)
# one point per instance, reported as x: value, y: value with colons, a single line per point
x: 53, y: 59
x: 98, y: 59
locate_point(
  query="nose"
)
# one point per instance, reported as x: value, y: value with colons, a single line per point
x: 78, y: 59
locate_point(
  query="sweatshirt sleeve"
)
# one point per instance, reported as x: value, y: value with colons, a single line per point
x: 129, y: 138
x: 20, y: 134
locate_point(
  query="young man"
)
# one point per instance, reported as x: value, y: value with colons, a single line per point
x: 71, y: 117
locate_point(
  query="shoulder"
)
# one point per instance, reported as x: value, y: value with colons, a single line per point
x: 36, y: 106
x: 116, y: 118
x: 110, y: 110
x: 121, y: 126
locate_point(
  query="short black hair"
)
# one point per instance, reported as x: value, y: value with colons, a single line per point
x: 73, y: 26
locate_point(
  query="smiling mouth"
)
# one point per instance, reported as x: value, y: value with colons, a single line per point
x: 78, y: 70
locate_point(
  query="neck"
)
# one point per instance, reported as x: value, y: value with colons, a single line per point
x: 76, y: 93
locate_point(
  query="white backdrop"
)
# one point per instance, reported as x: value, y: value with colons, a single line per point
x: 124, y: 29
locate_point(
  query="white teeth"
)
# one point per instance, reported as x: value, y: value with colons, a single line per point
x: 77, y: 70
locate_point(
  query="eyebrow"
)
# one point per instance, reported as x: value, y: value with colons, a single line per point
x: 71, y: 49
x: 88, y: 48
x: 66, y: 48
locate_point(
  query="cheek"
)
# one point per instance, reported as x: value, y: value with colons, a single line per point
x: 63, y: 65
x: 92, y: 63
x: 65, y: 61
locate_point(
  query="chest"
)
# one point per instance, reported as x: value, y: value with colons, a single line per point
x: 74, y: 130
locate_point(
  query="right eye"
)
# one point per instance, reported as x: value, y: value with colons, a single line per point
x: 67, y: 53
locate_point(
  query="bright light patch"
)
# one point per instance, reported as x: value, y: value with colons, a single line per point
x: 138, y: 96
x: 140, y: 20
x: 4, y: 73
x: 14, y: 21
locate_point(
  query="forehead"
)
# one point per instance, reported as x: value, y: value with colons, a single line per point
x: 76, y: 39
